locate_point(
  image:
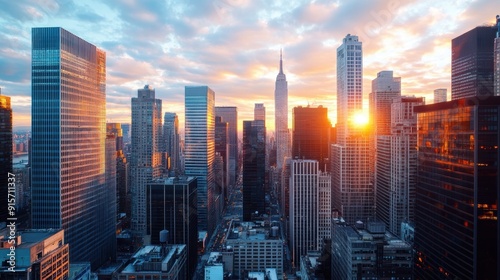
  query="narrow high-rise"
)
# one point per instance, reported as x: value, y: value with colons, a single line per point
x: 352, y: 187
x: 122, y: 170
x: 200, y: 150
x: 496, y: 54
x: 172, y: 140
x: 385, y: 88
x: 5, y: 151
x: 230, y: 115
x: 254, y: 154
x: 471, y: 63
x: 68, y: 182
x: 281, y: 117
x: 145, y: 163
x: 259, y: 112
x: 440, y: 95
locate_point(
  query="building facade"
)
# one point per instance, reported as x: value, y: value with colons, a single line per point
x: 230, y: 115
x: 456, y: 215
x: 259, y: 112
x: 68, y: 183
x: 396, y: 166
x: 200, y: 150
x: 222, y: 149
x: 304, y: 210
x: 254, y: 156
x: 5, y: 150
x: 145, y: 163
x: 496, y: 62
x: 471, y: 63
x: 324, y: 209
x: 122, y: 170
x: 172, y: 147
x: 172, y: 206
x: 311, y: 135
x: 440, y: 95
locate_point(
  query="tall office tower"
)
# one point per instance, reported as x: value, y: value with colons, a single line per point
x: 126, y: 132
x: 324, y: 208
x: 349, y: 83
x: 281, y: 117
x: 440, y: 95
x: 122, y: 170
x: 222, y: 148
x: 471, y: 63
x: 456, y: 214
x: 145, y: 161
x: 200, y: 150
x: 5, y: 151
x: 352, y: 188
x: 172, y: 139
x: 496, y: 65
x: 172, y: 206
x: 385, y: 88
x: 254, y: 154
x: 311, y: 135
x: 230, y: 115
x: 259, y: 112
x: 396, y: 166
x: 304, y: 184
x: 68, y: 180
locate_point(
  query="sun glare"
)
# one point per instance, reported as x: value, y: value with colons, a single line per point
x: 359, y: 119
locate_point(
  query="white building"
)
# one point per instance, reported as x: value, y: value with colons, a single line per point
x: 324, y: 208
x: 281, y: 117
x: 145, y: 164
x: 440, y: 95
x: 255, y: 248
x: 304, y: 189
x: 352, y: 188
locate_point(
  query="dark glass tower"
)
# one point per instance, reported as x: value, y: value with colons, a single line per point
x: 69, y: 187
x: 311, y: 135
x: 472, y: 63
x: 230, y: 115
x: 222, y: 148
x: 254, y: 159
x: 172, y: 205
x: 457, y: 194
x: 5, y: 151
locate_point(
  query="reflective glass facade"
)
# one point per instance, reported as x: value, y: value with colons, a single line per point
x: 254, y: 170
x: 5, y: 150
x: 200, y: 150
x: 230, y: 115
x: 457, y: 195
x: 69, y: 190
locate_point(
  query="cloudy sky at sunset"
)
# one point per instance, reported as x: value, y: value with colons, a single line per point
x: 233, y: 47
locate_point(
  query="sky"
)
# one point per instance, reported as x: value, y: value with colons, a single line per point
x: 233, y: 46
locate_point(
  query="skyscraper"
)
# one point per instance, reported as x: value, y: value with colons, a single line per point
x: 222, y: 149
x: 311, y: 135
x: 259, y: 112
x: 5, y: 150
x: 145, y: 162
x: 471, y: 63
x: 254, y: 153
x: 281, y: 116
x: 200, y: 150
x: 172, y: 139
x: 352, y: 188
x: 456, y: 215
x: 172, y: 206
x: 385, y: 88
x: 230, y: 115
x: 496, y: 65
x: 440, y: 95
x: 396, y: 166
x: 122, y: 170
x: 68, y: 187
x: 304, y: 189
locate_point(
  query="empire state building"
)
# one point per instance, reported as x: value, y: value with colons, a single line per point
x: 281, y: 116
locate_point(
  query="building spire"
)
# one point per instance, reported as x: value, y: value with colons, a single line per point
x: 281, y: 61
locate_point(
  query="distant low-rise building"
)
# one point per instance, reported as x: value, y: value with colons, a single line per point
x: 156, y: 262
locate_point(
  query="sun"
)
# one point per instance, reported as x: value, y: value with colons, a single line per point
x: 359, y: 119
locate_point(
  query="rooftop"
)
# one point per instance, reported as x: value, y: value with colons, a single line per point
x: 152, y: 259
x: 251, y: 231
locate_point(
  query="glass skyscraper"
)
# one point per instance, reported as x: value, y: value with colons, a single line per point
x: 5, y: 150
x: 456, y: 209
x: 200, y: 150
x: 69, y: 187
x: 230, y: 115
